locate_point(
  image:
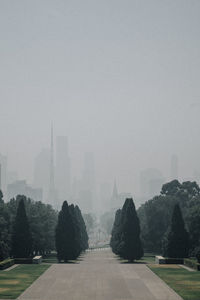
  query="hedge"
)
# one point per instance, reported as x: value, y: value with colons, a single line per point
x: 23, y: 260
x: 6, y: 263
x: 177, y: 261
x: 192, y: 264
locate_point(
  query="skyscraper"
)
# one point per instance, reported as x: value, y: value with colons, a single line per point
x: 52, y: 198
x: 174, y: 167
x: 41, y: 172
x: 63, y: 183
x: 151, y: 181
x: 88, y: 190
x: 0, y: 177
x: 3, y: 163
x: 114, y: 197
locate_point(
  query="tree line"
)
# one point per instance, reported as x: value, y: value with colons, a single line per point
x: 178, y: 205
x: 42, y: 219
x: 166, y: 231
x: 28, y: 228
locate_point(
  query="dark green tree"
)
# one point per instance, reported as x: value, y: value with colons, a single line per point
x: 76, y: 242
x: 155, y: 217
x: 4, y: 250
x: 130, y: 246
x: 177, y: 239
x: 65, y: 233
x: 116, y: 233
x: 1, y: 197
x: 4, y: 230
x: 42, y: 222
x: 21, y: 237
x: 83, y: 231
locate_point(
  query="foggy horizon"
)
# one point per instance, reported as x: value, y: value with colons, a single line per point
x: 120, y: 80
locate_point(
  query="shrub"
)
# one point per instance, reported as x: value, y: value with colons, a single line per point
x: 4, y: 250
x: 6, y: 263
x: 192, y: 264
x: 23, y: 260
x: 197, y: 253
x: 176, y: 261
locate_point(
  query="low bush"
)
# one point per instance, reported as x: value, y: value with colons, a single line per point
x: 192, y: 264
x: 178, y: 261
x: 6, y: 263
x: 23, y: 260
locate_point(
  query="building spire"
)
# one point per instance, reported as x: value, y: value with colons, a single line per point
x: 52, y: 182
x: 115, y: 192
x: 52, y: 191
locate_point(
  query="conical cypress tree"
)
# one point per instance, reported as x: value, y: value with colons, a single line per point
x: 65, y: 233
x: 177, y: 242
x: 21, y: 238
x: 76, y: 243
x: 115, y: 235
x: 1, y: 197
x: 130, y: 246
x: 83, y: 231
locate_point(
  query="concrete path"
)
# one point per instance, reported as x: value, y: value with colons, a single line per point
x: 99, y: 276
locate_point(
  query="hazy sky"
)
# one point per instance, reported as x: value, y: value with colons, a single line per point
x: 119, y: 78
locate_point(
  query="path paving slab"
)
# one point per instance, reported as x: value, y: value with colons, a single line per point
x: 99, y: 276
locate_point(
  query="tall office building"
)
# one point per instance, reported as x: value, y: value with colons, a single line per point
x: 41, y: 172
x: 3, y: 163
x: 52, y: 195
x: 174, y: 167
x: 20, y: 187
x: 87, y: 193
x: 115, y: 197
x: 11, y: 177
x: 151, y: 181
x: 63, y: 183
x: 0, y: 177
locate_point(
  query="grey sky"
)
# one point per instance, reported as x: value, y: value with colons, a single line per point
x: 119, y: 78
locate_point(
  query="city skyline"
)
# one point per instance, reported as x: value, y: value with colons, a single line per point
x: 119, y: 80
x: 151, y: 179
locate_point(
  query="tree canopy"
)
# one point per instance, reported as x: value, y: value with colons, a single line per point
x: 177, y: 239
x: 125, y: 240
x: 21, y: 237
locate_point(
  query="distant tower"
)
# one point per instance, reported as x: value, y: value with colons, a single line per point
x: 115, y: 192
x: 174, y: 167
x: 3, y: 162
x: 115, y: 197
x: 52, y: 191
x: 0, y: 177
x: 87, y: 194
x: 62, y: 168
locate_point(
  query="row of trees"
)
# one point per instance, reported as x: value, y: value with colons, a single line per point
x: 161, y: 215
x: 28, y: 228
x: 125, y: 239
x: 42, y: 219
x: 71, y: 234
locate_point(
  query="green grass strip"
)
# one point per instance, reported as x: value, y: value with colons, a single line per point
x: 183, y: 282
x: 17, y: 280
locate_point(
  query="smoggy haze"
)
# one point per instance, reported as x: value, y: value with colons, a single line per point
x: 118, y: 78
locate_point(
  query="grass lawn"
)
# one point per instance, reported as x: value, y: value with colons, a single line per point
x: 15, y: 281
x: 185, y: 283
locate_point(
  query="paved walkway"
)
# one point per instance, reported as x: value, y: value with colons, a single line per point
x: 99, y: 276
